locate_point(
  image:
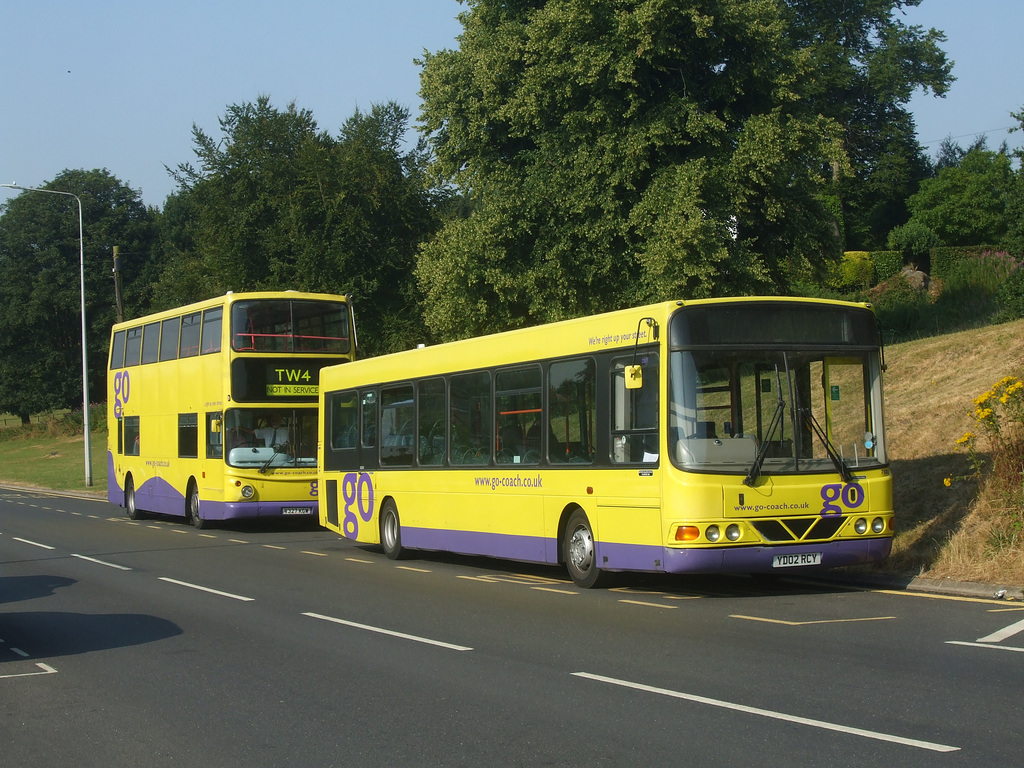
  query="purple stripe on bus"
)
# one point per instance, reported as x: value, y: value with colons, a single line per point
x: 157, y: 495
x: 534, y: 549
x: 639, y: 557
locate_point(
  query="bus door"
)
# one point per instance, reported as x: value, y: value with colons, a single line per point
x: 629, y: 499
x: 350, y: 451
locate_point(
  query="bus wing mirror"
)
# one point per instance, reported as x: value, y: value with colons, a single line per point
x: 634, y: 377
x: 214, y: 425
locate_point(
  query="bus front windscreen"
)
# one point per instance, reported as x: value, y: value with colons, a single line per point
x: 290, y: 325
x: 753, y: 412
x: 266, y: 438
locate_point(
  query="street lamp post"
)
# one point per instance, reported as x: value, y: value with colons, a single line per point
x: 85, y: 359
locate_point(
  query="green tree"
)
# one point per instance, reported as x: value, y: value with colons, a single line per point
x: 866, y: 65
x: 40, y: 299
x: 1015, y: 196
x: 620, y: 152
x: 276, y: 203
x: 615, y: 152
x: 966, y: 203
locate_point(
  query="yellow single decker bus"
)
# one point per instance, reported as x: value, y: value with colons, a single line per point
x: 721, y: 435
x: 212, y: 407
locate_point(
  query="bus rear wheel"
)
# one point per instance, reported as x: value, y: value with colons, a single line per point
x: 391, y: 531
x: 192, y: 508
x: 580, y: 552
x: 129, y: 499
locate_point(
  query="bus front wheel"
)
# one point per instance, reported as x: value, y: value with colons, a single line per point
x: 193, y: 508
x: 580, y: 552
x: 391, y: 531
x: 129, y: 499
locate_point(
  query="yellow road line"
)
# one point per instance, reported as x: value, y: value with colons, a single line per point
x: 802, y: 623
x: 649, y: 605
x: 957, y: 598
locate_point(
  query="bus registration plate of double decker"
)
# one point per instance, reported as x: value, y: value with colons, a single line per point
x: 296, y: 510
x: 789, y: 561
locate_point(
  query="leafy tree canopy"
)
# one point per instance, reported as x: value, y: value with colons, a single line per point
x: 276, y: 203
x: 966, y: 203
x: 616, y: 152
x: 40, y: 286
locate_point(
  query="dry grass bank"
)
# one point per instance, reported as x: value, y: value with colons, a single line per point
x: 955, y: 532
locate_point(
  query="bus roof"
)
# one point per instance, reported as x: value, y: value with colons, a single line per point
x: 578, y: 336
x: 230, y: 297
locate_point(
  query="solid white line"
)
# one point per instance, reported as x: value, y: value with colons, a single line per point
x: 206, y: 589
x: 1003, y: 633
x: 33, y: 543
x: 389, y: 632
x: 47, y: 670
x: 102, y: 562
x: 986, y: 645
x: 769, y: 713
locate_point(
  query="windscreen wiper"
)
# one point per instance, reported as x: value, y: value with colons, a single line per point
x: 266, y: 464
x: 762, y: 451
x: 844, y: 471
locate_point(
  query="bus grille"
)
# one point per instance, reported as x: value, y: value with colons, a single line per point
x: 799, y: 528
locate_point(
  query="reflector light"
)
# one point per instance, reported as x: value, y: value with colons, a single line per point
x: 687, y: 533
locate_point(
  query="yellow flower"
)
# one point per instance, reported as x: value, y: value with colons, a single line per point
x: 947, y: 481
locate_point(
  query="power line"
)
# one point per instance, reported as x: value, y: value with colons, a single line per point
x: 972, y: 135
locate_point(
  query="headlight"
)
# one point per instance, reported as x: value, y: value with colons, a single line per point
x: 732, y: 533
x: 861, y: 526
x: 878, y: 525
x: 713, y: 533
x: 247, y: 491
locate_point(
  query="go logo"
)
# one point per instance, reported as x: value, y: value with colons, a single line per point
x: 357, y: 495
x: 122, y: 388
x: 850, y: 496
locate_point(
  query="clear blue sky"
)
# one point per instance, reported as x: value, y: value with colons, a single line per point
x: 118, y: 84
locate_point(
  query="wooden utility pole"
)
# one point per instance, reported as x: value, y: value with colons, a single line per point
x: 117, y: 283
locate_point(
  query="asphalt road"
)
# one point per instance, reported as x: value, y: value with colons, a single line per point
x: 154, y: 644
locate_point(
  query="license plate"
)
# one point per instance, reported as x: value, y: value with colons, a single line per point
x: 297, y: 511
x: 789, y: 561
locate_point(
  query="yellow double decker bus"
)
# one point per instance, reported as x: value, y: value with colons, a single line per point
x: 728, y: 435
x: 212, y: 407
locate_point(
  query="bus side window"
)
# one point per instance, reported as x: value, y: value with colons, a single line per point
x: 369, y: 417
x: 169, y: 339
x: 469, y: 417
x: 635, y: 413
x: 214, y: 435
x: 396, y: 425
x: 517, y: 410
x: 344, y: 420
x: 150, y: 342
x: 431, y: 441
x: 212, y: 330
x: 132, y: 346
x: 117, y: 351
x: 188, y: 342
x: 130, y: 440
x: 571, y: 412
x: 188, y: 436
